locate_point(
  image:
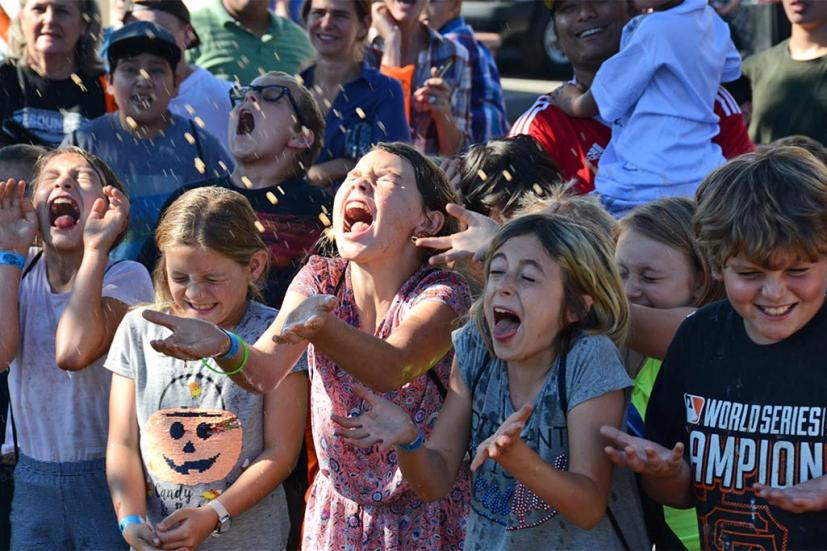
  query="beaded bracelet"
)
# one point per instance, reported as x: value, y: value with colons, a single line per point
x: 245, y: 355
x: 416, y: 444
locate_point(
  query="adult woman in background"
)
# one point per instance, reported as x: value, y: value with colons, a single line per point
x: 52, y: 82
x: 362, y: 106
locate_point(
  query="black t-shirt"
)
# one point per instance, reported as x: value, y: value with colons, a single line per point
x: 747, y: 413
x: 290, y: 215
x: 42, y: 111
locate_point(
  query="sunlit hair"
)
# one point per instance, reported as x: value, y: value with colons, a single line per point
x: 506, y: 173
x: 764, y: 206
x: 563, y: 201
x: 87, y: 61
x: 804, y: 142
x: 213, y: 218
x: 586, y: 260
x: 311, y: 114
x: 105, y: 174
x: 669, y: 221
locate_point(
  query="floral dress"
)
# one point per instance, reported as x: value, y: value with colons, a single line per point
x: 359, y: 500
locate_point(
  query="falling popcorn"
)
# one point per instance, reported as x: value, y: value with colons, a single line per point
x: 483, y: 176
x: 132, y: 123
x: 190, y: 138
x: 195, y: 389
x: 272, y: 198
x: 247, y: 182
x: 325, y: 220
x: 259, y: 226
x: 507, y: 175
x: 538, y: 190
x: 360, y: 112
x: 144, y: 74
x: 281, y: 189
x: 190, y: 109
x: 199, y: 121
x: 77, y: 80
x: 200, y: 166
x: 223, y: 166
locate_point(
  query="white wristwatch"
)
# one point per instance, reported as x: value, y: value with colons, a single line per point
x: 224, y: 518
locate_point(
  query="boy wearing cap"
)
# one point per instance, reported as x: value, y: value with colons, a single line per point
x: 152, y: 150
x: 202, y: 96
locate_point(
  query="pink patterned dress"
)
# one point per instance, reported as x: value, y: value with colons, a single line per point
x: 359, y: 500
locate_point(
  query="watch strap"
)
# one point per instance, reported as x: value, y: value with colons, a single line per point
x: 223, y: 516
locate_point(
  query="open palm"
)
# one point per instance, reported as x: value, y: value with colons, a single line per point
x: 18, y: 222
x: 385, y: 423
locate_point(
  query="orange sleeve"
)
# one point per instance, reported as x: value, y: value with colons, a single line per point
x: 111, y: 106
x: 405, y: 77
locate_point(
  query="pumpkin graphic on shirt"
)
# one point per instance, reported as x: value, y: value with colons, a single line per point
x: 193, y: 446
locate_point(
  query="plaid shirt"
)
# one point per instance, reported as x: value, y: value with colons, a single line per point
x: 488, y: 118
x: 439, y: 52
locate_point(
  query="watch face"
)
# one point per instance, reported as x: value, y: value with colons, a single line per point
x: 224, y: 524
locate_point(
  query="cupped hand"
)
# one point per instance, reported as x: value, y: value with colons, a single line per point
x: 141, y: 537
x: 502, y: 441
x: 471, y: 243
x: 187, y: 528
x: 384, y: 423
x: 806, y: 497
x: 106, y: 220
x: 191, y: 339
x: 306, y: 319
x: 643, y: 456
x: 433, y: 96
x: 18, y: 221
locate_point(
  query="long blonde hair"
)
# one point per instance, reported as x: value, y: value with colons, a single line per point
x: 586, y: 258
x: 214, y: 218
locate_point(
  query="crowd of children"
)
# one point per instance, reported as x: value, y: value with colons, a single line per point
x: 204, y: 349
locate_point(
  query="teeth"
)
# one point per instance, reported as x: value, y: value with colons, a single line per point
x: 590, y: 32
x: 62, y: 201
x: 778, y: 311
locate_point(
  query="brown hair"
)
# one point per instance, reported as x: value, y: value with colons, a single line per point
x: 312, y: 115
x: 361, y: 7
x: 586, y: 259
x: 763, y: 203
x: 86, y: 59
x: 804, y: 142
x: 214, y: 218
x: 105, y: 174
x: 563, y: 201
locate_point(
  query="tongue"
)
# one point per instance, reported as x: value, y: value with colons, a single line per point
x: 505, y: 328
x: 64, y: 222
x: 357, y: 227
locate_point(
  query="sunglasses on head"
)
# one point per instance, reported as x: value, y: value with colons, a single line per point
x: 270, y: 93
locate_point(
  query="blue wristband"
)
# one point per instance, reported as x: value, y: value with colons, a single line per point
x: 235, y: 344
x: 9, y: 258
x: 416, y: 444
x: 129, y: 520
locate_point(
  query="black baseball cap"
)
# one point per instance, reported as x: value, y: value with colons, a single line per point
x: 172, y: 7
x: 142, y: 37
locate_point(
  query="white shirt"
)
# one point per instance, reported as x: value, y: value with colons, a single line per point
x: 658, y: 92
x: 207, y: 97
x: 63, y: 416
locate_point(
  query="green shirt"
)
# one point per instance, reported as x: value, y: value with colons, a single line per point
x: 233, y: 52
x: 788, y: 96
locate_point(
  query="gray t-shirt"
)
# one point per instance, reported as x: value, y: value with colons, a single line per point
x: 199, y: 430
x: 504, y: 513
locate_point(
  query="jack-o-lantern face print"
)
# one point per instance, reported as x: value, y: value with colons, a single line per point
x: 193, y: 446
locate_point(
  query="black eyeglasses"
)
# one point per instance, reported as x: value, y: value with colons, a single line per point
x: 270, y: 93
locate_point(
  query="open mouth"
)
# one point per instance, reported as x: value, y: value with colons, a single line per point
x: 506, y: 323
x: 64, y: 213
x: 142, y: 101
x: 201, y: 308
x: 776, y: 311
x: 591, y: 31
x: 246, y: 123
x: 326, y: 37
x: 358, y: 217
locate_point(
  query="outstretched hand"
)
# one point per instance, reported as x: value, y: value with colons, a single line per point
x: 470, y: 243
x: 306, y: 319
x: 502, y: 441
x: 807, y: 497
x: 18, y: 221
x: 385, y: 423
x: 191, y: 339
x: 106, y: 220
x: 643, y: 456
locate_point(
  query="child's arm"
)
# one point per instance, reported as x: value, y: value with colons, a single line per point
x: 89, y: 321
x: 124, y: 469
x: 806, y: 497
x: 285, y: 411
x: 581, y: 493
x: 18, y: 227
x: 432, y: 468
x: 573, y: 100
x: 664, y: 472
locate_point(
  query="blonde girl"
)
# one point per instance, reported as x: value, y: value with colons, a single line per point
x: 536, y: 373
x: 214, y: 454
x: 662, y: 267
x: 377, y: 315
